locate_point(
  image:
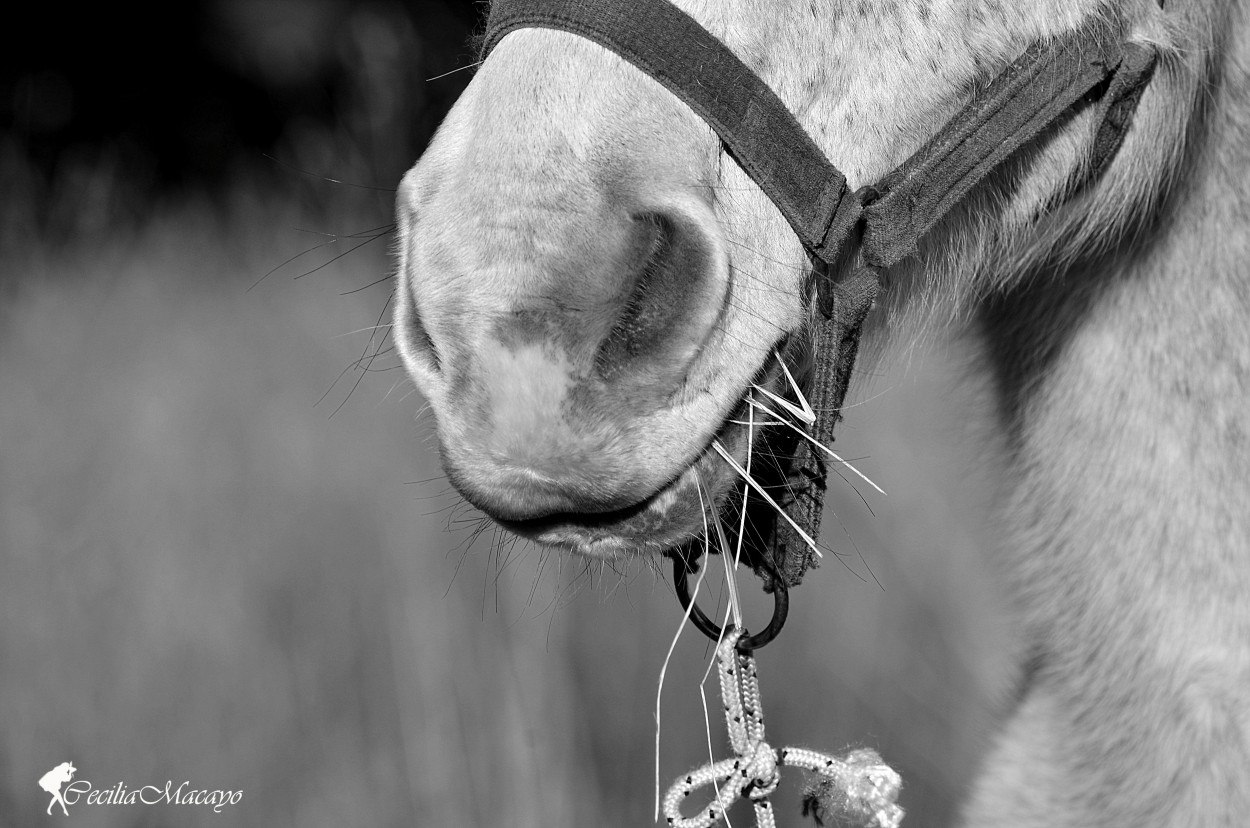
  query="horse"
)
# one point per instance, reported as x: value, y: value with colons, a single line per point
x: 588, y: 286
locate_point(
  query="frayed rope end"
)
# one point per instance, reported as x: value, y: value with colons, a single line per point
x: 863, y: 792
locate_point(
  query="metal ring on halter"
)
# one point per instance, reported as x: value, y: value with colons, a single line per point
x: 781, y: 608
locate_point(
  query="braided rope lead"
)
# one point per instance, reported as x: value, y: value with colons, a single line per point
x: 866, y: 788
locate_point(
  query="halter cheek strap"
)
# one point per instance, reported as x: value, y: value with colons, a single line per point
x: 850, y: 236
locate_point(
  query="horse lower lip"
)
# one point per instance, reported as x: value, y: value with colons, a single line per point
x: 536, y: 528
x: 644, y: 524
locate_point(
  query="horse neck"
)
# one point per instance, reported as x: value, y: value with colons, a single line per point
x: 1176, y: 283
x: 1124, y: 383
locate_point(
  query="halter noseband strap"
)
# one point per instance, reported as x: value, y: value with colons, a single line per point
x: 764, y: 137
x: 849, y: 236
x: 662, y: 40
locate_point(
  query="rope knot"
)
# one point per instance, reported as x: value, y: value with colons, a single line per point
x: 860, y: 787
x: 760, y: 772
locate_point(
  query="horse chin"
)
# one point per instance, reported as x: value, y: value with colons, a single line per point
x: 679, y: 510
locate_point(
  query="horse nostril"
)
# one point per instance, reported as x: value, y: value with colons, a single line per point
x: 413, y: 337
x: 668, y: 282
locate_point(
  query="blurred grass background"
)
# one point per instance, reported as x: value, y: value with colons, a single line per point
x: 210, y: 571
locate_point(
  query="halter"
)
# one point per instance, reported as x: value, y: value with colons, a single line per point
x: 850, y: 237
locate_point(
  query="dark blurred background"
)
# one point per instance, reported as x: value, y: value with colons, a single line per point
x: 185, y: 98
x: 227, y: 554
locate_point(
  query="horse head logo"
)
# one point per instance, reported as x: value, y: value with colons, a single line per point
x: 54, y: 780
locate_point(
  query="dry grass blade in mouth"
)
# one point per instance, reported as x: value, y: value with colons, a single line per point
x: 681, y: 627
x: 780, y: 420
x: 745, y: 475
x: 803, y: 411
x: 734, y: 609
